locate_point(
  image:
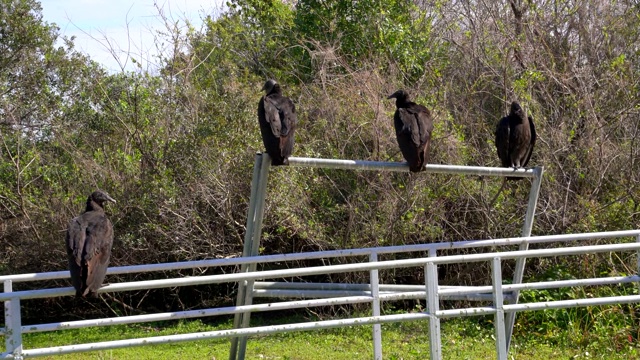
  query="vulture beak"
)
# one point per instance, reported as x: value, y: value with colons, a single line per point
x: 109, y: 198
x: 395, y: 95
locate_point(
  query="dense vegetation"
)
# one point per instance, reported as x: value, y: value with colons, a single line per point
x: 175, y: 144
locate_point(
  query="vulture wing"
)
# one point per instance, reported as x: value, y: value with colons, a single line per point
x: 502, y: 141
x: 289, y: 120
x: 76, y: 235
x: 410, y: 125
x: 97, y: 250
x: 273, y: 115
x: 425, y: 124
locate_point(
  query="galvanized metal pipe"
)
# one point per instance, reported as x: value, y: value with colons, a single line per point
x: 246, y: 297
x: 261, y: 330
x: 326, y: 294
x: 12, y: 321
x: 546, y: 305
x: 479, y: 293
x: 375, y: 309
x: 251, y: 214
x: 242, y: 286
x: 545, y: 285
x: 563, y: 304
x: 403, y: 166
x: 526, y: 231
x: 280, y: 285
x: 331, y: 253
x: 433, y: 303
x: 190, y: 314
x: 319, y: 294
x: 255, y: 247
x: 323, y: 286
x: 498, y: 303
x: 338, y: 286
x: 475, y: 311
x: 307, y: 294
x: 448, y: 290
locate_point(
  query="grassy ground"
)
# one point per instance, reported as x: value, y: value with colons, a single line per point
x: 462, y: 339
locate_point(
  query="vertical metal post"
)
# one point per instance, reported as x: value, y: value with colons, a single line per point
x: 248, y: 237
x: 261, y: 194
x: 526, y: 231
x: 498, y: 302
x: 12, y: 323
x: 375, y: 304
x: 638, y: 262
x: 431, y: 280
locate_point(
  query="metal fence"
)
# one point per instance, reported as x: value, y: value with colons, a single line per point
x: 255, y: 215
x: 372, y: 293
x: 503, y: 297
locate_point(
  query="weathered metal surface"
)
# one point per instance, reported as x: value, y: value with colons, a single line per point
x: 375, y: 309
x: 13, y: 329
x: 526, y: 231
x: 261, y: 330
x: 498, y: 303
x: 402, y: 166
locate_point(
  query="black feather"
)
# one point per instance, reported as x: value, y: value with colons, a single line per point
x: 413, y: 124
x: 89, y: 240
x: 277, y: 118
x: 515, y: 138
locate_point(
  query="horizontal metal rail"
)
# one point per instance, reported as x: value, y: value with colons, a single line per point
x: 263, y: 288
x: 217, y: 334
x: 331, y: 253
x: 340, y: 286
x: 327, y: 324
x: 190, y: 314
x: 324, y: 290
x: 465, y: 293
x: 403, y: 166
x: 317, y: 270
x: 546, y: 305
x: 314, y: 294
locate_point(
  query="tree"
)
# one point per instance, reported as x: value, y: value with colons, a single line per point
x: 40, y: 85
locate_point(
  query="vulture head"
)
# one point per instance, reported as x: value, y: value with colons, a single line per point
x: 516, y: 109
x: 401, y: 96
x: 269, y: 85
x: 99, y: 197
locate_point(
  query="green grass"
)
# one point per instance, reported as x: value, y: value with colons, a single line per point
x: 462, y: 339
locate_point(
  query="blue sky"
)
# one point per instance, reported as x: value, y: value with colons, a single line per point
x: 127, y: 26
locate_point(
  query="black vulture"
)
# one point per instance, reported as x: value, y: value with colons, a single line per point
x: 89, y: 240
x: 277, y: 117
x: 413, y: 124
x: 515, y: 138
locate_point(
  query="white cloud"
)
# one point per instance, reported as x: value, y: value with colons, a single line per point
x: 122, y: 28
